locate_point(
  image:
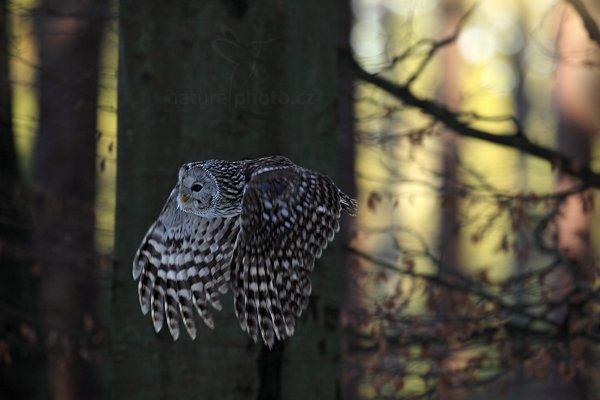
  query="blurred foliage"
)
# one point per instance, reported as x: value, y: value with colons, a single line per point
x: 508, y: 260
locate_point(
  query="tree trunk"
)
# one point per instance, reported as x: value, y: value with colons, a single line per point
x: 70, y: 34
x: 20, y: 377
x: 576, y: 127
x: 347, y: 150
x: 577, y: 108
x: 449, y: 94
x: 446, y: 303
x: 226, y: 80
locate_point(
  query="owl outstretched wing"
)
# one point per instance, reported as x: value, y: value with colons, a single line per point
x: 183, y: 263
x: 289, y: 215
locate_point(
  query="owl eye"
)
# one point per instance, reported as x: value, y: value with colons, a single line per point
x: 196, y: 187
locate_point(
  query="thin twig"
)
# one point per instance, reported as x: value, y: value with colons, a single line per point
x: 588, y: 21
x: 514, y: 139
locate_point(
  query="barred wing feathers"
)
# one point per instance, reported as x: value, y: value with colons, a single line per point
x: 183, y: 263
x: 288, y: 217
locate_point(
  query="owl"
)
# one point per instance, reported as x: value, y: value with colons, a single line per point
x: 255, y: 226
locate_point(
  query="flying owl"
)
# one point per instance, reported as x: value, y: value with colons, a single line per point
x: 256, y: 226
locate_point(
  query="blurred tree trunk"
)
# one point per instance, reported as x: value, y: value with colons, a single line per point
x: 577, y: 124
x: 69, y: 38
x: 19, y: 378
x: 522, y: 109
x: 346, y: 131
x: 227, y: 80
x: 576, y: 100
x: 446, y: 302
x: 8, y: 161
x: 449, y: 94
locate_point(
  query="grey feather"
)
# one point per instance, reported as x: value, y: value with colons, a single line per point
x: 255, y: 225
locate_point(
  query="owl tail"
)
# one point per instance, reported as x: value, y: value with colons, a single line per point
x: 348, y: 203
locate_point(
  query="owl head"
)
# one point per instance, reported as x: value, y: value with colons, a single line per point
x: 198, y: 190
x: 211, y: 188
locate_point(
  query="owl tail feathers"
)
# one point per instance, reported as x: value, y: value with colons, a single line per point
x: 348, y: 203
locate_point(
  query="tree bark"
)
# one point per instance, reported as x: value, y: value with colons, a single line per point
x: 69, y: 39
x: 449, y: 94
x: 577, y: 125
x: 19, y: 378
x: 347, y: 150
x: 225, y: 80
x: 446, y: 303
x: 576, y: 106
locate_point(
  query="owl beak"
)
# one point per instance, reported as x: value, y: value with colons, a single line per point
x: 182, y: 199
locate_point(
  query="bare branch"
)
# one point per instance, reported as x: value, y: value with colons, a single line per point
x: 588, y: 21
x: 515, y: 139
x: 439, y: 44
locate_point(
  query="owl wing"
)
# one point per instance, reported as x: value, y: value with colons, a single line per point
x: 182, y: 263
x: 288, y: 217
